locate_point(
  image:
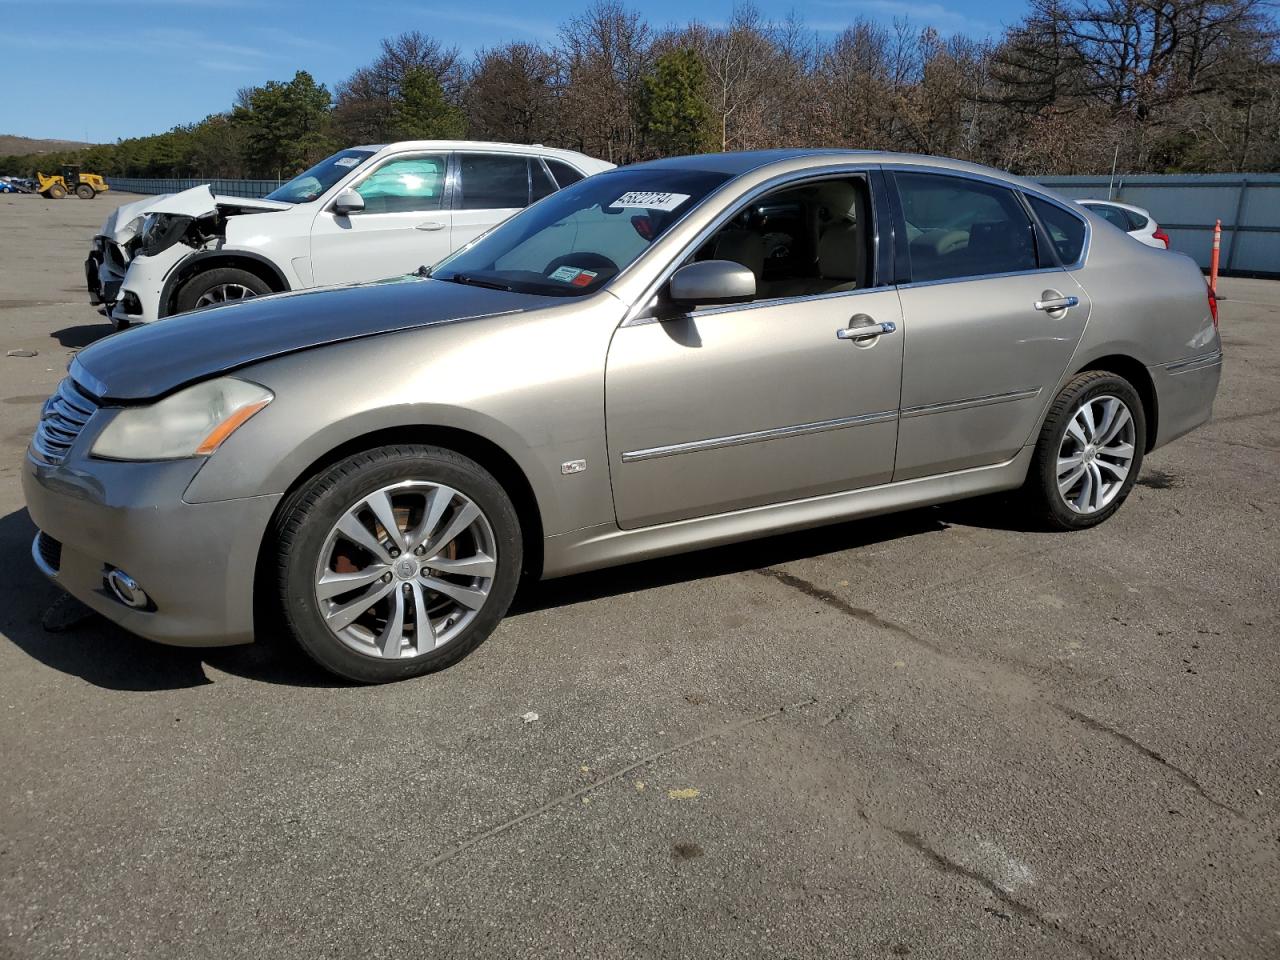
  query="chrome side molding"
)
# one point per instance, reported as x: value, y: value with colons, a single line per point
x: 758, y: 436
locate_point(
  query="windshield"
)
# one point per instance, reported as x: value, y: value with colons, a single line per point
x: 577, y: 240
x: 310, y: 184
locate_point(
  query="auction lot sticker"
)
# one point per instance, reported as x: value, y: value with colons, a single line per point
x: 649, y: 199
x: 574, y: 275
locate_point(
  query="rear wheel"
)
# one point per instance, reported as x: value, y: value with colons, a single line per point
x: 85, y: 192
x: 1089, y: 452
x: 214, y: 288
x: 396, y: 562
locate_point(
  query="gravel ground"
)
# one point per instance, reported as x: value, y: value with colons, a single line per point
x: 931, y: 735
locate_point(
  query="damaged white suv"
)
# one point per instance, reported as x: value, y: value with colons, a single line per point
x: 362, y: 214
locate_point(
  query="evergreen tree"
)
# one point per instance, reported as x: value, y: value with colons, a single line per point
x: 421, y: 111
x: 673, y: 112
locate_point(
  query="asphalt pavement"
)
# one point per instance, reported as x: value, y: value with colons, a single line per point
x: 934, y: 734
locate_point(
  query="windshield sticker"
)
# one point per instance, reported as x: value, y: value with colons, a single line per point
x: 649, y: 199
x: 574, y: 275
x: 346, y: 161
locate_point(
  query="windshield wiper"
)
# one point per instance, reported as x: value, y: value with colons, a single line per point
x: 477, y: 282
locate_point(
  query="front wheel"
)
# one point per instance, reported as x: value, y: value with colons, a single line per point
x: 56, y: 192
x: 1089, y: 452
x: 396, y: 562
x: 219, y: 286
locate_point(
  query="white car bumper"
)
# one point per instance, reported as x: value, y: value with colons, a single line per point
x: 143, y: 283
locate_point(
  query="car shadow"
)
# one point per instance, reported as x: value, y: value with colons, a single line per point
x: 81, y: 336
x: 97, y: 651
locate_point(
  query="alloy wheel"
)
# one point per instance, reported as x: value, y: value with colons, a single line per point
x: 405, y: 569
x: 1096, y: 454
x: 224, y: 293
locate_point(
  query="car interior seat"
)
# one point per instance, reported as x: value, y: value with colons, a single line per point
x: 744, y: 247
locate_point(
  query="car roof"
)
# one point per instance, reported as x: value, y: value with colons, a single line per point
x: 572, y: 156
x: 752, y: 161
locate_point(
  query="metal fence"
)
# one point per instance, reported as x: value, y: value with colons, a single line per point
x: 1186, y: 206
x: 251, y: 189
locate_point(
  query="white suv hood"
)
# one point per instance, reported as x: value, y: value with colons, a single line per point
x: 125, y: 221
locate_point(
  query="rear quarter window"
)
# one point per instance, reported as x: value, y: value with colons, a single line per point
x: 1066, y: 230
x: 563, y: 173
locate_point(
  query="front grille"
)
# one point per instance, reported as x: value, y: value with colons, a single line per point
x: 50, y: 551
x: 63, y: 417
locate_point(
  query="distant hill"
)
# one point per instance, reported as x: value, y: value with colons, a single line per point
x: 14, y: 145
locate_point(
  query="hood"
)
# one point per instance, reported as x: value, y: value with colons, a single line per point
x: 142, y: 363
x: 123, y: 222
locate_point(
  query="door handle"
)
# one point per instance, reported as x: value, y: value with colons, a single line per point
x: 430, y: 225
x: 866, y: 331
x: 1057, y: 303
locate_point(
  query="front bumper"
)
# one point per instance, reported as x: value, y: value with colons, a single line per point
x: 104, y: 271
x: 196, y: 561
x: 132, y: 295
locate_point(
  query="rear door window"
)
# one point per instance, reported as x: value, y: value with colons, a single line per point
x: 957, y: 227
x: 1065, y: 229
x: 493, y: 181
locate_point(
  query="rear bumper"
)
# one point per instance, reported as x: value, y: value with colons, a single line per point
x: 1185, y: 391
x: 195, y: 561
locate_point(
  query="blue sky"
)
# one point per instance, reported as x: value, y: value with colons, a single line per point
x: 145, y: 65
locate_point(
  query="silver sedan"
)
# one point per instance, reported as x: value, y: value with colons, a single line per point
x: 659, y: 358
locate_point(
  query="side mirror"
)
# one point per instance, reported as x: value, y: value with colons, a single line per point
x: 347, y: 203
x: 711, y: 282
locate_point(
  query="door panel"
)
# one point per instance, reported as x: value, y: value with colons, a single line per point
x: 979, y: 363
x: 738, y: 407
x: 405, y: 224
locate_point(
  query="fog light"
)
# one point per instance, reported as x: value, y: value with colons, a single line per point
x: 126, y: 590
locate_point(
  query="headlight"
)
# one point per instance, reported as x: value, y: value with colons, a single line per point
x: 160, y: 231
x: 193, y: 422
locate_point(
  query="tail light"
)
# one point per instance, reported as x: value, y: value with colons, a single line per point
x: 1213, y: 305
x: 1161, y: 236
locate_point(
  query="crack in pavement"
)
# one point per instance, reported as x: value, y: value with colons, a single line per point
x: 858, y: 613
x: 945, y: 864
x: 976, y: 672
x: 515, y: 821
x: 1147, y: 752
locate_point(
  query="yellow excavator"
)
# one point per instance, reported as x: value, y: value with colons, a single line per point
x: 86, y: 186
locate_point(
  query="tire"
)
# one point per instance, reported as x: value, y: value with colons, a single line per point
x: 216, y: 288
x: 85, y: 192
x: 1056, y: 491
x: 56, y: 192
x: 309, y: 548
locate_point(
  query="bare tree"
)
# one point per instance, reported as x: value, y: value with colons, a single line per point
x: 512, y: 95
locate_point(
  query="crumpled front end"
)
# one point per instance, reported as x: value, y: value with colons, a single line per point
x: 141, y: 241
x: 104, y: 272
